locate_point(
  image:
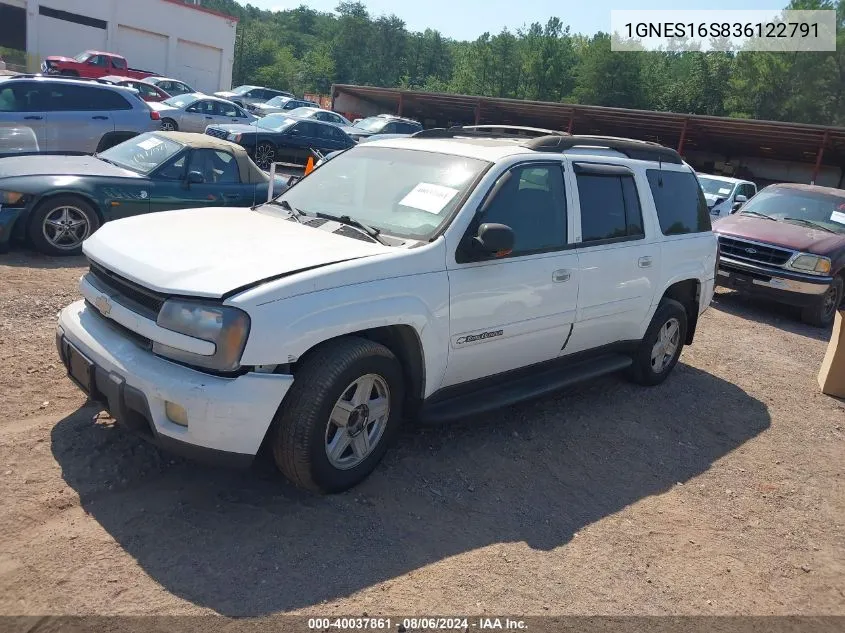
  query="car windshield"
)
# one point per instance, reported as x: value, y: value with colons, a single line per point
x: 794, y: 204
x: 402, y: 192
x: 242, y: 89
x: 275, y: 122
x: 302, y: 113
x: 278, y: 101
x: 180, y: 101
x: 715, y: 187
x: 83, y: 56
x: 142, y: 153
x: 372, y: 124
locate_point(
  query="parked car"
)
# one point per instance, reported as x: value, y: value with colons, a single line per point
x: 173, y: 87
x: 318, y: 114
x: 92, y: 64
x: 251, y: 95
x: 383, y: 124
x: 280, y: 138
x: 725, y: 195
x: 56, y: 202
x: 148, y: 92
x: 404, y: 278
x: 278, y: 105
x: 71, y: 115
x: 788, y: 244
x: 194, y: 112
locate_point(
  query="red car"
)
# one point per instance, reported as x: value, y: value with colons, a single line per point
x: 148, y: 92
x: 92, y: 64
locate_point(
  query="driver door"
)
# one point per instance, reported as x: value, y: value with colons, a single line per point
x: 221, y: 183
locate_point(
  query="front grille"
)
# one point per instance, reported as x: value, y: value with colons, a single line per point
x: 753, y: 252
x: 141, y: 341
x: 211, y: 131
x: 128, y: 293
x: 746, y: 273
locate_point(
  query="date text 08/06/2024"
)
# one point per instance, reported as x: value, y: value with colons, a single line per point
x: 417, y: 623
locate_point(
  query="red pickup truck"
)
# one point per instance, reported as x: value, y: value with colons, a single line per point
x: 93, y: 64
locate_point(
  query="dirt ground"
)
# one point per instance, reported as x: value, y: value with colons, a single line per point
x: 719, y: 492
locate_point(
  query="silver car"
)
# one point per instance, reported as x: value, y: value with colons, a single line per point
x: 71, y: 115
x: 318, y: 114
x: 194, y: 112
x: 173, y: 87
x: 251, y: 95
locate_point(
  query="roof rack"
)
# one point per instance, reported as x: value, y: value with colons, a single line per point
x: 637, y: 150
x: 489, y: 131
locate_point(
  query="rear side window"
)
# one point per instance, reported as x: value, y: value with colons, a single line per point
x: 681, y: 206
x: 610, y: 205
x: 118, y: 63
x: 110, y: 100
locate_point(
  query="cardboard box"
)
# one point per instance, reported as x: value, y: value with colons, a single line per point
x: 832, y: 373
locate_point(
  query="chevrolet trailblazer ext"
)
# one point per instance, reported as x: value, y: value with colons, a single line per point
x: 429, y: 277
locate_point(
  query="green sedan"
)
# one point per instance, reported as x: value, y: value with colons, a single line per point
x: 56, y: 202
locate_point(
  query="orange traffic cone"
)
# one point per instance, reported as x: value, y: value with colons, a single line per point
x: 309, y: 166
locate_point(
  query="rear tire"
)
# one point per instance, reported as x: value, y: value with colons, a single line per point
x: 169, y: 125
x: 309, y: 447
x: 660, y: 348
x: 822, y: 313
x: 60, y: 224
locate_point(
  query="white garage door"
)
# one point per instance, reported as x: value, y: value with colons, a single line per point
x: 60, y: 37
x: 198, y: 65
x: 142, y: 49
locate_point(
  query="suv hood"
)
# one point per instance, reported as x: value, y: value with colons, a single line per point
x: 213, y: 251
x: 59, y: 58
x: 784, y: 234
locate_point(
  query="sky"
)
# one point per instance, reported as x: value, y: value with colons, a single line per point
x: 467, y: 19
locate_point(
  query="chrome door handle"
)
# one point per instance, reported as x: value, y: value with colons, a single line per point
x: 644, y: 262
x: 561, y: 275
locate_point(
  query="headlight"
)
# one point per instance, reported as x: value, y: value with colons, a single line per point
x: 225, y: 326
x: 11, y: 198
x: 813, y: 264
x: 234, y: 137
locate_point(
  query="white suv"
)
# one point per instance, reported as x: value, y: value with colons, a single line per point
x: 431, y: 278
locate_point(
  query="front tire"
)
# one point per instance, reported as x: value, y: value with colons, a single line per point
x: 340, y: 415
x: 265, y: 154
x: 661, y: 347
x: 60, y: 224
x: 821, y: 314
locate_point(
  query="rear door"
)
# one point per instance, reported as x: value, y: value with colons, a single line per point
x: 618, y: 255
x: 198, y: 116
x: 226, y: 112
x: 221, y: 184
x: 78, y: 117
x: 22, y: 117
x: 331, y: 138
x: 299, y: 140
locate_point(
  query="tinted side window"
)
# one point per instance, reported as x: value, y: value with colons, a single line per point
x: 228, y: 109
x: 610, y: 207
x: 681, y: 206
x: 118, y: 63
x: 532, y: 203
x: 98, y: 60
x: 109, y: 100
x: 217, y: 167
x: 21, y: 97
x: 308, y: 129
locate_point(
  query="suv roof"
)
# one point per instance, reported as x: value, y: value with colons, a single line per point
x: 486, y: 145
x: 68, y: 80
x: 723, y: 178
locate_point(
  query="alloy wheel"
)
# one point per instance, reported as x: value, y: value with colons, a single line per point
x: 66, y: 227
x: 664, y: 349
x: 357, y: 421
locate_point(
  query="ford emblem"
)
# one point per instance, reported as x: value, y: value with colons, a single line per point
x: 751, y: 251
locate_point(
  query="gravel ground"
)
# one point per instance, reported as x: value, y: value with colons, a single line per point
x: 719, y: 492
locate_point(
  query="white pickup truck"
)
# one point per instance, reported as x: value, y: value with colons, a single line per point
x: 428, y: 278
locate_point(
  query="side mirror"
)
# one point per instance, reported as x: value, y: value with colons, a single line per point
x: 195, y: 178
x: 738, y: 202
x: 493, y: 240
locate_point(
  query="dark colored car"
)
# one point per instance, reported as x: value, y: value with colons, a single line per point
x: 283, y: 139
x: 383, y: 124
x: 58, y: 201
x: 788, y: 244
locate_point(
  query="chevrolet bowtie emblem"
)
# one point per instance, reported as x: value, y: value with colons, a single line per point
x: 103, y: 304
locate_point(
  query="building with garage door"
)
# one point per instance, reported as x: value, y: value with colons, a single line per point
x: 167, y: 37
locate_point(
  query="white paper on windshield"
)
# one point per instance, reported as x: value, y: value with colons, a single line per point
x: 838, y: 217
x: 149, y: 143
x: 428, y: 197
x: 725, y: 190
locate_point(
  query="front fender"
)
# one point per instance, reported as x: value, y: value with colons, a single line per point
x: 283, y: 331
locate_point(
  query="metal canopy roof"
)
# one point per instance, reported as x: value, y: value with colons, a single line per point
x: 776, y: 140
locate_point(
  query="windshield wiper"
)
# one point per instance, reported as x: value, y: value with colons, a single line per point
x: 816, y: 225
x: 294, y: 213
x: 757, y: 214
x: 345, y: 219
